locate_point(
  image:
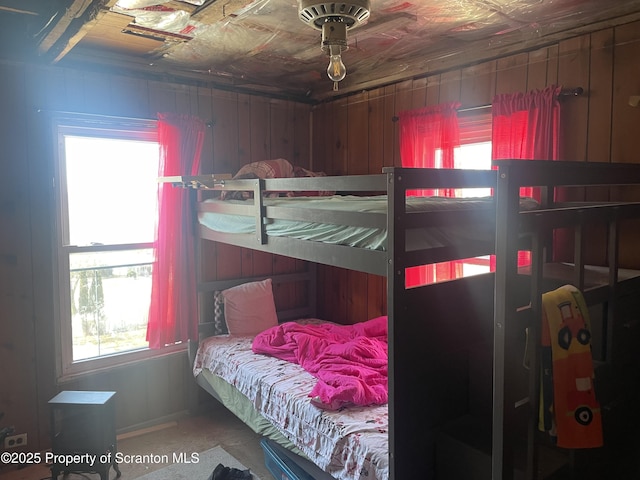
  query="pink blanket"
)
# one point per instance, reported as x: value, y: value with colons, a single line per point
x: 349, y: 361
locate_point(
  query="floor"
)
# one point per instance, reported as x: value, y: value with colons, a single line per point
x: 216, y: 426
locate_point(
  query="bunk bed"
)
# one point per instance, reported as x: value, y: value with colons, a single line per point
x: 433, y: 328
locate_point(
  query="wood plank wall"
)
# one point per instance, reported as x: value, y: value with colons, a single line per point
x: 351, y: 135
x: 357, y: 135
x: 245, y: 128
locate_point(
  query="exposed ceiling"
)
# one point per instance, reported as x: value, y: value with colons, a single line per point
x: 262, y: 46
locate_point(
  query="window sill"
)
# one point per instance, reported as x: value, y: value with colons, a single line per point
x: 92, y: 366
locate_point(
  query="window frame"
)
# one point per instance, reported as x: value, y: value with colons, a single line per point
x: 100, y: 127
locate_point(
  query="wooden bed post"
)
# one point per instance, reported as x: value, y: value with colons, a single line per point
x: 395, y: 289
x: 507, y: 208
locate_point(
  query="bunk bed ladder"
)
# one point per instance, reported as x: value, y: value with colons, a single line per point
x: 533, y: 349
x: 612, y: 260
x: 507, y: 209
x: 395, y: 292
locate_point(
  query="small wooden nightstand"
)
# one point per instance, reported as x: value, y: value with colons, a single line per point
x: 83, y: 433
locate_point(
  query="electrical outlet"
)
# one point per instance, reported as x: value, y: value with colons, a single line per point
x: 15, y: 441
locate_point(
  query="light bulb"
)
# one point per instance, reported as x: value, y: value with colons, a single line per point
x: 336, y: 69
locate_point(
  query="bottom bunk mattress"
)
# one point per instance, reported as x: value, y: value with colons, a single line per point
x: 350, y: 443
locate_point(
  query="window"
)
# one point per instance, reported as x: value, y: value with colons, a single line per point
x: 474, y: 153
x: 106, y: 198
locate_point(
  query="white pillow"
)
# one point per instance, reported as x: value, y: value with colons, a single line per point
x: 249, y: 308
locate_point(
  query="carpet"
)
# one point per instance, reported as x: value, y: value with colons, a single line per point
x: 201, y: 470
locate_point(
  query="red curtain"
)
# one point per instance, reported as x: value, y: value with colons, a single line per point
x: 526, y: 126
x: 173, y: 313
x: 424, y: 133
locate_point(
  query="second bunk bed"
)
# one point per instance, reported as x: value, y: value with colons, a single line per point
x: 437, y: 331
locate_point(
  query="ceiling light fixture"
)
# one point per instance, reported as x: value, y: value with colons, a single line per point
x: 334, y: 19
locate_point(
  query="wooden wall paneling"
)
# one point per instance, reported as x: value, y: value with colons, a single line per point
x: 450, y: 86
x: 194, y: 101
x: 226, y: 141
x: 478, y: 85
x: 225, y: 133
x: 184, y: 103
x: 511, y: 75
x: 303, y: 295
x: 574, y: 72
x: 131, y: 384
x: 258, y: 145
x: 337, y: 148
x: 322, y: 281
x: 18, y: 396
x: 181, y: 381
x: 281, y: 123
x: 130, y: 97
x: 262, y: 263
x: 358, y: 134
x: 357, y: 296
x: 376, y: 296
x: 245, y: 152
x: 205, y: 112
x: 624, y: 125
x: 246, y: 262
x: 357, y: 164
x: 391, y: 145
x: 158, y: 387
x: 160, y: 393
x: 44, y: 89
x: 228, y: 261
x: 419, y: 92
x: 433, y: 90
x: 626, y: 78
x: 324, y: 149
x: 600, y: 93
x: 302, y: 135
x: 376, y: 135
x: 162, y: 98
x: 284, y: 294
x: 207, y: 250
x: 320, y: 137
x: 282, y: 146
x: 598, y: 138
x: 96, y: 381
x: 98, y: 93
x: 553, y: 64
x: 74, y: 96
x: 404, y: 96
x: 339, y: 137
x: 335, y: 282
x: 537, y: 70
x: 403, y: 102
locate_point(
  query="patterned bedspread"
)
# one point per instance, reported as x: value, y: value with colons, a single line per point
x: 350, y: 444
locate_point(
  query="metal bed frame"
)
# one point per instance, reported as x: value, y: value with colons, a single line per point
x: 406, y: 306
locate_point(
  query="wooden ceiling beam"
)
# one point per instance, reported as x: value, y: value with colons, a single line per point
x: 80, y: 16
x: 6, y: 8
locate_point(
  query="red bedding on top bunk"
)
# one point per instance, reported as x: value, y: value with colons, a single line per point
x: 349, y: 361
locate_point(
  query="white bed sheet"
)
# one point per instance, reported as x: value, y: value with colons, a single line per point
x: 350, y: 444
x: 361, y: 237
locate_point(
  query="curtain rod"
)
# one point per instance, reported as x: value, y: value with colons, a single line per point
x: 105, y: 116
x: 565, y: 92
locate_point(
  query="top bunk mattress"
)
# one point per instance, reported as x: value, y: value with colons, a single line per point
x: 350, y: 444
x: 356, y: 236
